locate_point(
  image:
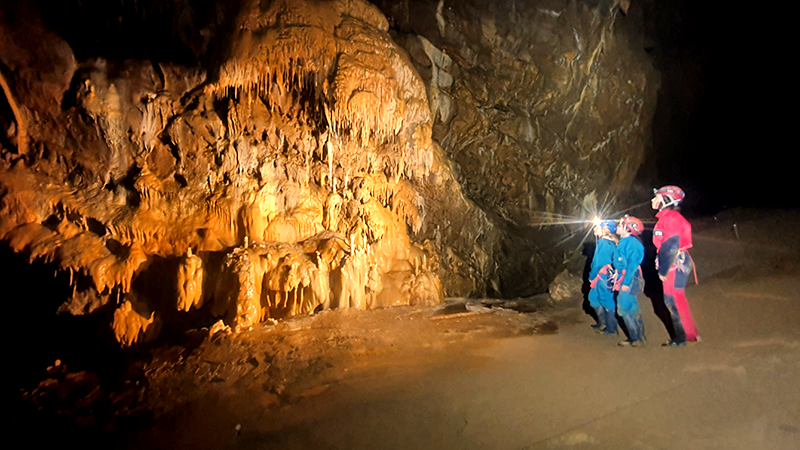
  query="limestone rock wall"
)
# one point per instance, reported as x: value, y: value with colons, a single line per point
x: 543, y: 107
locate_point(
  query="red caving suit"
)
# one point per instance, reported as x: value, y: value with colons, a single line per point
x: 672, y: 237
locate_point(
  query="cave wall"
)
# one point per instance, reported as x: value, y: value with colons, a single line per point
x: 277, y: 158
x: 283, y: 183
x: 543, y: 108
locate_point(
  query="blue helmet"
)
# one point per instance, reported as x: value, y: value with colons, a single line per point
x: 609, y: 225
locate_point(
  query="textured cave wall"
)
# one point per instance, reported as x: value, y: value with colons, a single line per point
x: 254, y: 160
x: 283, y: 179
x: 544, y: 109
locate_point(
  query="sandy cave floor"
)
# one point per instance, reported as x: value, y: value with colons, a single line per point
x: 481, y: 374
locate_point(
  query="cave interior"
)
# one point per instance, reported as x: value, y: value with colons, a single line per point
x: 166, y: 165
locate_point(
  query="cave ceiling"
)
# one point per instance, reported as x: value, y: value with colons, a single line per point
x: 260, y: 160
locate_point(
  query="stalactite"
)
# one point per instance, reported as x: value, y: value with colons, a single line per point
x: 22, y: 121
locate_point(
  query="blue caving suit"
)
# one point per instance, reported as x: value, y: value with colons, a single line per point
x: 601, y: 296
x: 627, y: 258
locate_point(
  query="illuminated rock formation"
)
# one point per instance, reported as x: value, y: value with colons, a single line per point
x: 296, y: 163
x: 287, y: 164
x: 190, y: 282
x: 131, y: 326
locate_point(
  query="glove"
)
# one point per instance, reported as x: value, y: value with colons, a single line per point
x: 625, y: 289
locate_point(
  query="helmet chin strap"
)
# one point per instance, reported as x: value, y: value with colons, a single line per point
x: 667, y: 205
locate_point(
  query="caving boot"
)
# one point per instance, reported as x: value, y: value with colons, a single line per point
x: 601, y: 319
x: 635, y: 327
x: 677, y: 343
x: 611, y: 322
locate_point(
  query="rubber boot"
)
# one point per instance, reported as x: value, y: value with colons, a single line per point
x: 611, y: 322
x: 601, y: 319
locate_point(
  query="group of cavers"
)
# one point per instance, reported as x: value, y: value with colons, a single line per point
x: 616, y: 275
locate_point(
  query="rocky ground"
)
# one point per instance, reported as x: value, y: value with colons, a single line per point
x: 278, y: 364
x: 472, y: 374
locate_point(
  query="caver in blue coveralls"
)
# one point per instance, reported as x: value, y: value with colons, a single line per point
x: 627, y: 258
x: 601, y: 297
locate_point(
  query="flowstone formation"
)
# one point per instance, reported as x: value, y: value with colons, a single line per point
x: 283, y: 183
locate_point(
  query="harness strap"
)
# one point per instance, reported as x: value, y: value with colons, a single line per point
x: 694, y: 266
x: 603, y: 270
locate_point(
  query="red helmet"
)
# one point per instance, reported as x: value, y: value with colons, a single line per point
x: 632, y: 224
x: 674, y: 195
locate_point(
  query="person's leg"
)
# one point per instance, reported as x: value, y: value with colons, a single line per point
x: 611, y: 322
x: 628, y: 309
x: 682, y: 269
x: 606, y: 298
x: 632, y: 326
x: 635, y: 326
x: 642, y: 335
x: 679, y: 336
x: 682, y: 305
x: 594, y: 302
x: 601, y: 319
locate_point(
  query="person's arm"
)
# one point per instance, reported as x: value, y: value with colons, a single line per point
x: 667, y: 254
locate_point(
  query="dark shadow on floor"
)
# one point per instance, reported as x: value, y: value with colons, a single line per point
x: 652, y: 284
x: 588, y: 252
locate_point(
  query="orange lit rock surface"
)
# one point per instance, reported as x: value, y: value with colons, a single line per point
x: 289, y: 175
x: 132, y: 326
x: 284, y: 163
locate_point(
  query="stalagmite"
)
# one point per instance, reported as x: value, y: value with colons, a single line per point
x: 130, y: 327
x: 321, y: 282
x: 190, y: 282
